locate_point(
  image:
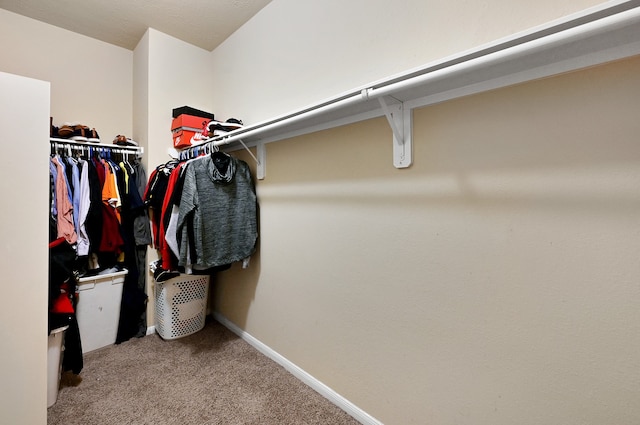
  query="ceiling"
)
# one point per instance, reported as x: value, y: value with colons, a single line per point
x: 203, y: 23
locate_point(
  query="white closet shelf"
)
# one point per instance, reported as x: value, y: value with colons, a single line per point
x: 601, y: 34
x: 134, y: 149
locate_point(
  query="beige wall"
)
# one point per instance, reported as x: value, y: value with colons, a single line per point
x: 91, y: 81
x: 24, y: 104
x: 490, y: 283
x: 295, y: 53
x: 493, y: 282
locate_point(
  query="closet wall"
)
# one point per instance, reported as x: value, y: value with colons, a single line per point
x: 91, y: 81
x: 296, y: 53
x: 86, y: 81
x: 490, y: 283
x: 24, y: 104
x: 168, y: 73
x: 177, y: 74
x: 494, y: 281
x: 109, y: 87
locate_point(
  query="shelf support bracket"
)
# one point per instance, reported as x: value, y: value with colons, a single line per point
x: 262, y: 161
x: 400, y: 120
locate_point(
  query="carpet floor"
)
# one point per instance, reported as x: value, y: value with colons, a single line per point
x: 210, y: 377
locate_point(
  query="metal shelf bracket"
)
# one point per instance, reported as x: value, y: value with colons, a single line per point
x: 401, y: 122
x: 262, y: 161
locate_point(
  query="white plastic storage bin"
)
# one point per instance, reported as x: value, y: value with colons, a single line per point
x: 54, y: 363
x: 98, y: 311
x: 181, y: 305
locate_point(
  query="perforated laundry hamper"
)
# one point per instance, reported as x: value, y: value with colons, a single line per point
x: 181, y: 305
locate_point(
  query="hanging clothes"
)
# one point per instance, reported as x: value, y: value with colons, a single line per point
x: 218, y: 212
x: 93, y: 221
x: 111, y: 241
x: 98, y: 196
x: 73, y: 177
x: 169, y: 259
x: 63, y: 302
x: 203, y: 213
x: 84, y: 204
x: 173, y: 210
x: 154, y: 195
x: 64, y: 206
x: 132, y: 322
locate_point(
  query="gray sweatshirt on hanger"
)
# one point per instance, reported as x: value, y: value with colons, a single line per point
x: 218, y: 213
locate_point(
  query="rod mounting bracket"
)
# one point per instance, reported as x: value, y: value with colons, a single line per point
x: 401, y: 122
x: 262, y: 161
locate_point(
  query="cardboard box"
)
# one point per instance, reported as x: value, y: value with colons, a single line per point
x: 184, y: 138
x: 185, y: 121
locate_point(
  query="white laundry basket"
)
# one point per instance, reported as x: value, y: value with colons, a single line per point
x: 98, y: 310
x: 54, y: 363
x: 181, y: 305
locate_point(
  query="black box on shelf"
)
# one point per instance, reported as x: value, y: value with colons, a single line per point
x: 188, y: 110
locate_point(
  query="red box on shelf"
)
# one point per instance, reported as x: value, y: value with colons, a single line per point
x: 188, y: 122
x: 184, y: 138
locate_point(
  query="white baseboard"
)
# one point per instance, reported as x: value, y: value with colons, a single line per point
x: 151, y: 330
x: 353, y: 410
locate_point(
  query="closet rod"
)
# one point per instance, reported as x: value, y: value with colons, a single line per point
x: 237, y: 135
x: 134, y: 149
x: 597, y: 21
x: 517, y: 50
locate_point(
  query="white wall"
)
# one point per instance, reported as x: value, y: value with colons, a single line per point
x: 24, y: 118
x: 172, y: 73
x: 294, y: 53
x: 91, y: 81
x: 179, y: 74
x: 140, y: 95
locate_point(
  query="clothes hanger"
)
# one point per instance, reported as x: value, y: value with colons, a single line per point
x: 127, y: 163
x: 221, y: 160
